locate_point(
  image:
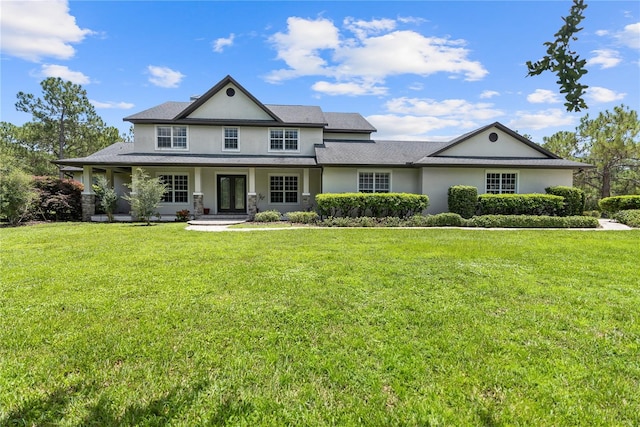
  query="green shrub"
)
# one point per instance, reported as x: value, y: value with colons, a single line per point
x: 574, y: 199
x: 303, y: 217
x: 519, y: 204
x: 446, y: 219
x: 17, y: 195
x: 399, y: 205
x: 532, y: 221
x: 595, y: 214
x: 145, y: 196
x: 267, y: 216
x: 106, y: 196
x: 630, y: 217
x: 59, y: 199
x: 619, y: 203
x: 463, y: 200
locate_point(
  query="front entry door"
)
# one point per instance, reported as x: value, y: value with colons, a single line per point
x: 232, y: 194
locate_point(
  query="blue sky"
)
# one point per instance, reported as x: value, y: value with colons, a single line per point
x: 417, y: 70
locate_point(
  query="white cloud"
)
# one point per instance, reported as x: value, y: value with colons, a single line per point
x: 164, y: 76
x: 300, y: 47
x: 112, y: 104
x: 219, y: 44
x: 349, y: 88
x: 363, y: 29
x: 489, y: 94
x: 543, y: 96
x: 62, y: 71
x: 455, y: 109
x: 602, y: 33
x: 553, y: 117
x: 317, y: 48
x: 630, y: 36
x: 601, y: 95
x: 606, y: 58
x: 412, y: 128
x: 33, y: 30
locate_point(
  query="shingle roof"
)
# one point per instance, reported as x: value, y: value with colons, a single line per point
x: 500, y: 162
x: 421, y: 153
x: 374, y: 152
x: 121, y: 154
x: 166, y: 111
x: 347, y: 122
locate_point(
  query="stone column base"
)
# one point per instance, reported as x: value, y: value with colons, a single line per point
x: 252, y: 205
x: 306, y: 202
x: 88, y: 206
x: 198, y: 205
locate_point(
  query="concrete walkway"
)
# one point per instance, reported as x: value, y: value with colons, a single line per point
x: 223, y: 225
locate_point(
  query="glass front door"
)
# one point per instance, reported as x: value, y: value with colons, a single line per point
x: 232, y: 193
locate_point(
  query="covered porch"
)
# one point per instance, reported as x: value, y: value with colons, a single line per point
x: 210, y: 191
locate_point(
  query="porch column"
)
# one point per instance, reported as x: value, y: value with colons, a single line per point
x: 252, y: 197
x: 306, y: 194
x: 88, y: 197
x: 198, y: 196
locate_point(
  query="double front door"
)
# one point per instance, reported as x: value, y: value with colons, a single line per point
x: 232, y: 194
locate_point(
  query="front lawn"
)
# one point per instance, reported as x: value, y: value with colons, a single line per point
x: 120, y: 324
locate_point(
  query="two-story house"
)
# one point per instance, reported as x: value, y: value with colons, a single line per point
x: 225, y: 152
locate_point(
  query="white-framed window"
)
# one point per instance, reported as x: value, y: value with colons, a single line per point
x: 177, y: 187
x: 374, y: 182
x: 283, y: 189
x: 501, y: 182
x: 171, y: 137
x: 230, y: 142
x: 283, y: 140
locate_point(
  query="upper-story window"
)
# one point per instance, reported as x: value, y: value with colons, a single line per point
x: 283, y: 140
x: 171, y: 137
x: 231, y: 142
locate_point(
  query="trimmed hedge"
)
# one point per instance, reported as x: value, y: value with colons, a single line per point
x: 619, y: 203
x: 302, y: 217
x: 463, y: 200
x: 630, y: 217
x: 399, y: 205
x: 574, y: 199
x: 455, y: 220
x: 59, y: 199
x: 532, y: 221
x: 520, y: 204
x: 267, y: 216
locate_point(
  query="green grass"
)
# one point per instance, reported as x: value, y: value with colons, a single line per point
x: 118, y: 324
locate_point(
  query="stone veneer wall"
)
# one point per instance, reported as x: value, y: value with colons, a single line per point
x: 198, y: 205
x: 252, y: 206
x: 88, y: 206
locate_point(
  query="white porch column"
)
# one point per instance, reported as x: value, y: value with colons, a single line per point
x: 252, y: 197
x: 252, y: 180
x: 305, y: 182
x: 87, y: 179
x: 198, y: 196
x: 88, y: 198
x: 306, y: 194
x: 197, y: 180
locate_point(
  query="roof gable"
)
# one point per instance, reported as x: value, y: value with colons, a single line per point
x: 493, y: 141
x: 227, y: 100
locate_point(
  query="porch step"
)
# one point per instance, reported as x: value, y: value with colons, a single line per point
x: 219, y: 220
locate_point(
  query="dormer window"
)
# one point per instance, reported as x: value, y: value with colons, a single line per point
x: 171, y: 137
x: 283, y: 140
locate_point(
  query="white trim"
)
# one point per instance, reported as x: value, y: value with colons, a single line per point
x: 233, y: 150
x: 172, y: 148
x: 374, y: 171
x: 297, y: 175
x: 283, y: 129
x: 501, y: 172
x: 174, y: 203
